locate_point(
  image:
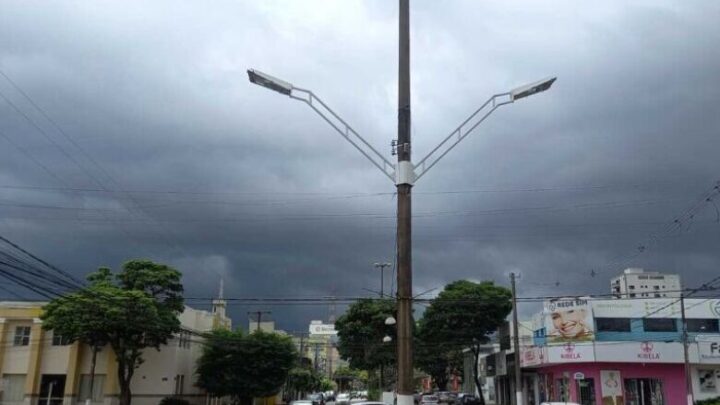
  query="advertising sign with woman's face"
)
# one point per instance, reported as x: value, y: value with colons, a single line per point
x: 568, y: 320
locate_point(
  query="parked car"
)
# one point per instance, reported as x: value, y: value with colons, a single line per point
x: 444, y: 396
x: 559, y: 403
x: 342, y: 399
x: 317, y: 399
x: 429, y: 400
x: 302, y: 402
x: 466, y: 399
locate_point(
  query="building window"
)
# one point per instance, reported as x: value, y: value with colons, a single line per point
x: 702, y: 325
x: 179, y: 384
x: 632, y: 295
x: 659, y: 325
x: 60, y: 340
x: 13, y: 388
x: 97, y: 387
x: 22, y: 336
x: 612, y: 324
x: 632, y: 287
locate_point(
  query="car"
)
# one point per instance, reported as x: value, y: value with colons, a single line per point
x: 342, y: 399
x: 429, y: 400
x: 443, y: 396
x: 302, y: 402
x: 466, y: 399
x: 317, y: 399
x: 559, y: 403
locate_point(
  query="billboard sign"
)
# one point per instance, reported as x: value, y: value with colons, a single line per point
x: 532, y: 356
x: 571, y: 353
x: 708, y: 348
x: 639, y: 352
x: 568, y: 320
x: 323, y: 329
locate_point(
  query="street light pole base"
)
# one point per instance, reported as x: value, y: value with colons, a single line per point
x: 405, y: 400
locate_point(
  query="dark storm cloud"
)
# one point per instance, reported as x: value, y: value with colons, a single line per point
x: 554, y: 186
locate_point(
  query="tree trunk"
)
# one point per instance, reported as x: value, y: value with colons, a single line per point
x: 124, y: 377
x: 476, y: 377
x: 125, y: 394
x: 92, y: 372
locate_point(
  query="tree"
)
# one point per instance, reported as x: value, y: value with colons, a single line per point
x: 463, y: 316
x: 438, y: 361
x: 346, y: 376
x: 302, y: 380
x: 361, y: 330
x: 244, y: 366
x: 133, y: 310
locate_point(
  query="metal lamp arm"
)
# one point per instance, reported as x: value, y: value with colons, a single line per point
x: 345, y: 130
x: 461, y: 132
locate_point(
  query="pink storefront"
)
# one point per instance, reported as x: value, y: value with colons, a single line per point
x: 631, y: 384
x: 606, y: 373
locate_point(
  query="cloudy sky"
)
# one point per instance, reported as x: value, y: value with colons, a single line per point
x: 140, y: 136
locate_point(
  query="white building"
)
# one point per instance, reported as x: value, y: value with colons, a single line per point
x: 638, y: 283
x: 39, y: 367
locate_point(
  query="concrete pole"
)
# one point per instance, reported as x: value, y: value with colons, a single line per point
x: 516, y: 345
x: 404, y: 217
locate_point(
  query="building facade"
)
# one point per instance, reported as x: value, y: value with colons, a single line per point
x: 38, y: 366
x: 622, y: 351
x: 638, y: 283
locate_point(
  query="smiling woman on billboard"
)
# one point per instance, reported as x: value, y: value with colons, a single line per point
x: 568, y: 320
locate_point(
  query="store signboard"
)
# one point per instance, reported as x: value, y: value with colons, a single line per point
x: 656, y: 308
x: 639, y: 352
x: 532, y: 356
x: 500, y: 364
x: 568, y: 320
x: 709, y: 348
x: 638, y: 308
x: 322, y: 329
x: 571, y: 353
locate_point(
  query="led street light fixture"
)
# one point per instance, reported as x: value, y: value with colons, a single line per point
x: 267, y: 81
x: 530, y: 89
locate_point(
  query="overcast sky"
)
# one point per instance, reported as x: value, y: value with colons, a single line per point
x: 162, y: 149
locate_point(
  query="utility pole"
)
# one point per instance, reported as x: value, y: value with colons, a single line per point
x: 404, y: 182
x: 382, y: 267
x: 688, y: 377
x: 516, y: 345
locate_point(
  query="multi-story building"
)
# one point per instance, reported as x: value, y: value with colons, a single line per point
x: 622, y: 351
x: 638, y: 283
x: 38, y: 366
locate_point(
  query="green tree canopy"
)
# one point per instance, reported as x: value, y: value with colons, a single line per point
x: 463, y: 316
x: 245, y: 366
x: 302, y: 380
x: 132, y: 310
x: 361, y: 330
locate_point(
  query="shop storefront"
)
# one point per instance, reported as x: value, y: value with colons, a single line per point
x: 614, y: 384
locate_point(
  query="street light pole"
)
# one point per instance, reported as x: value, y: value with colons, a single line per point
x: 404, y: 183
x: 516, y: 344
x: 404, y: 174
x: 382, y: 266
